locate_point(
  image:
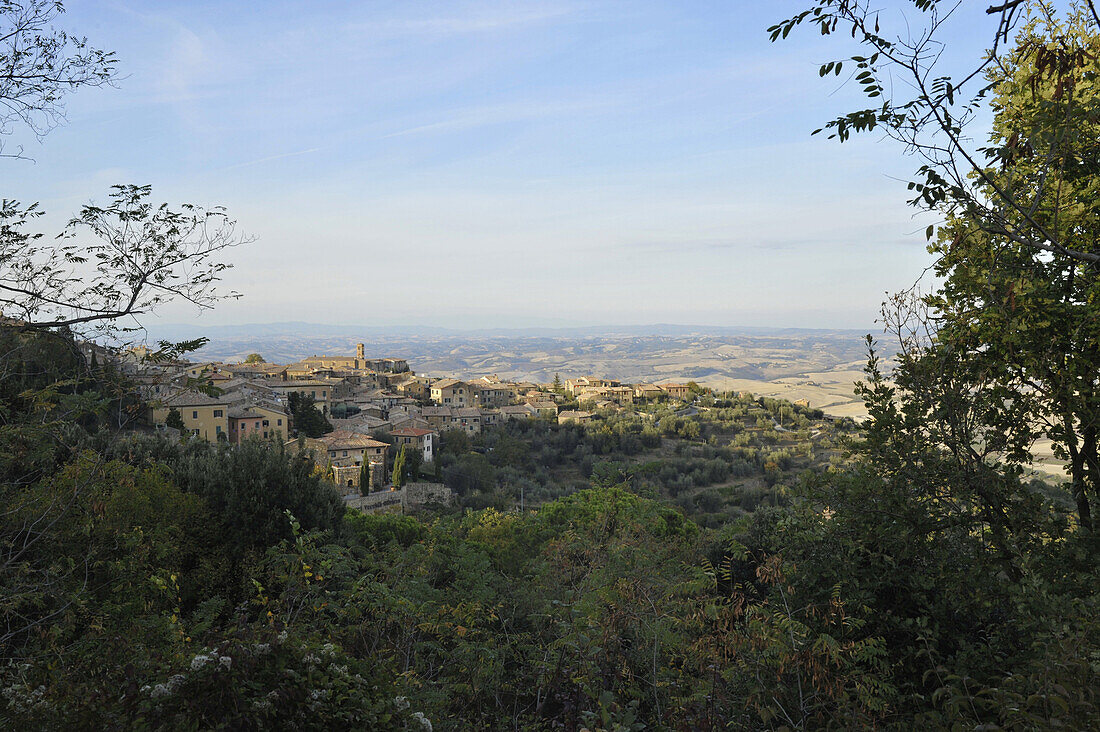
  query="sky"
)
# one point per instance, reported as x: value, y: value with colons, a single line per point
x: 497, y: 164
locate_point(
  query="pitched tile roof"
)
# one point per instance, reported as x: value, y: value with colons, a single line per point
x: 411, y: 432
x: 347, y: 440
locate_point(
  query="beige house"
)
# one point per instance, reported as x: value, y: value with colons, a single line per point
x: 203, y: 416
x: 491, y: 395
x: 319, y: 391
x: 677, y: 391
x: 574, y: 416
x: 451, y: 393
x: 648, y: 391
x: 545, y: 408
x: 417, y: 388
x: 343, y: 447
x: 574, y: 386
x: 518, y: 411
x: 201, y: 370
x: 420, y: 439
x: 467, y: 419
x: 405, y: 421
x: 620, y: 395
x: 438, y: 417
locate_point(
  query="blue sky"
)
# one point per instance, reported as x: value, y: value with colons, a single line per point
x: 475, y: 164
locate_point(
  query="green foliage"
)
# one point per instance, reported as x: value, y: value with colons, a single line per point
x: 454, y: 442
x: 377, y: 531
x: 1020, y: 322
x: 399, y: 468
x: 250, y: 487
x: 364, y: 476
x: 727, y: 569
x: 261, y: 679
x: 254, y: 358
x: 174, y: 420
x: 307, y: 418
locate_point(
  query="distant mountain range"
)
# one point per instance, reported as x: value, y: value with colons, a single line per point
x: 180, y: 331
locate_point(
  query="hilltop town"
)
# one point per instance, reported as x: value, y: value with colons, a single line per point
x: 356, y: 413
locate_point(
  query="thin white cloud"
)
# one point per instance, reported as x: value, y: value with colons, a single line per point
x: 473, y: 117
x: 269, y: 158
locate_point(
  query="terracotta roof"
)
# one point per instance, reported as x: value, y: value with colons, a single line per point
x: 344, y: 439
x: 411, y: 432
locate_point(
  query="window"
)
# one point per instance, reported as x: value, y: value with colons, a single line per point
x: 345, y: 454
x: 195, y: 415
x: 266, y: 423
x: 313, y: 394
x: 257, y: 425
x: 219, y: 413
x: 279, y: 422
x: 217, y: 429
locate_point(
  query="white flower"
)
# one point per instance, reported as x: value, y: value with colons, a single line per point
x: 401, y: 702
x: 176, y: 681
x: 200, y: 660
x: 160, y: 690
x: 225, y: 662
x: 425, y: 723
x: 263, y: 648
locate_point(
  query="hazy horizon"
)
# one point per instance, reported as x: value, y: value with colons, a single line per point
x: 548, y: 325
